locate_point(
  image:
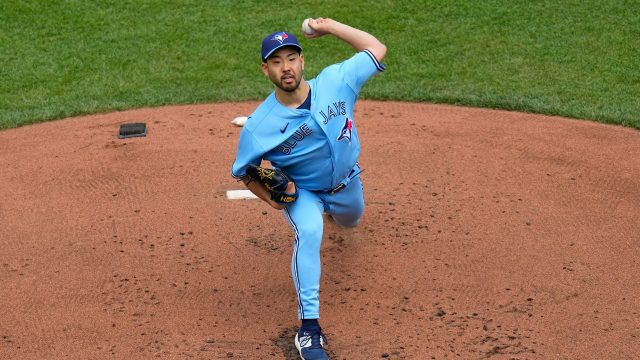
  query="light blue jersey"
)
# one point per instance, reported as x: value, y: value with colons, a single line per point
x: 317, y: 148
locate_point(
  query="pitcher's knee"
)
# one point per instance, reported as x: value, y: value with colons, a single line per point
x: 346, y: 222
x: 310, y: 232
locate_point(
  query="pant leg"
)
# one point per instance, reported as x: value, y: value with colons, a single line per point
x: 305, y: 217
x: 347, y: 206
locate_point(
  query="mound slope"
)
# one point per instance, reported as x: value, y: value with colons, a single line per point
x: 487, y: 234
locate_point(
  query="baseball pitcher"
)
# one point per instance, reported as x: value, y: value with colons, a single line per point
x: 307, y: 131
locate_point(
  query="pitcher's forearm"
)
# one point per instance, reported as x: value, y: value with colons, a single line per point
x: 358, y: 39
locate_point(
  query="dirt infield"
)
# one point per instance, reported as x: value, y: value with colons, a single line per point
x: 487, y: 234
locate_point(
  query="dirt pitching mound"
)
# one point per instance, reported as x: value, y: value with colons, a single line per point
x: 487, y: 234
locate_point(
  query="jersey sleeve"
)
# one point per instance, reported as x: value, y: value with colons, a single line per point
x: 360, y: 68
x: 249, y: 152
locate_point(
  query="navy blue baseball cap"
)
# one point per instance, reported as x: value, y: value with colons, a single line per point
x: 277, y: 40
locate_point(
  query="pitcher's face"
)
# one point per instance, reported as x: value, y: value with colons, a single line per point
x: 284, y: 68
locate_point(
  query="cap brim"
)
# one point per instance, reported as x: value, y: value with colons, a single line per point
x: 280, y: 47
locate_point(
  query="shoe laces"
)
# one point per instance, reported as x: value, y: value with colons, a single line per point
x: 312, y: 338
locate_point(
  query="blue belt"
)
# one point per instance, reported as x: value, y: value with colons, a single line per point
x: 343, y: 184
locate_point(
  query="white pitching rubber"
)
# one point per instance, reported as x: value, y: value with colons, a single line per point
x: 240, y: 194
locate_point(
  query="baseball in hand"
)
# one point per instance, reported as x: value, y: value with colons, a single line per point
x: 306, y: 28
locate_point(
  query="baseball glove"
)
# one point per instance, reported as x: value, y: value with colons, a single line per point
x: 275, y: 181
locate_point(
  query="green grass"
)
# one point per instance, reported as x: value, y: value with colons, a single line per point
x: 570, y: 58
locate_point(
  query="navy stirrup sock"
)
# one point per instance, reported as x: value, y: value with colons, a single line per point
x: 310, y: 323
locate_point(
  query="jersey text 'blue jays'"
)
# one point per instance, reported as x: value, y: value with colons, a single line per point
x: 338, y: 108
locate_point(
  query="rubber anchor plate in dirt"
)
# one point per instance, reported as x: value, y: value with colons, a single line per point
x: 133, y: 130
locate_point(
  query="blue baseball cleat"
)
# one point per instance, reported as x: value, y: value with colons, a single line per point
x: 310, y: 343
